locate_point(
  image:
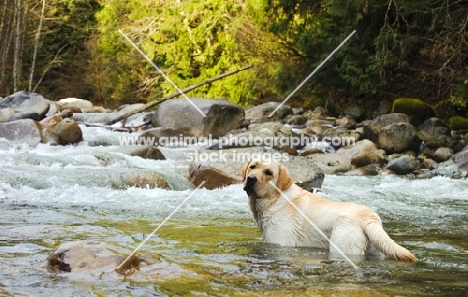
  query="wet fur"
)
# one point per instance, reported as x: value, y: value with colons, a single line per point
x: 353, y: 228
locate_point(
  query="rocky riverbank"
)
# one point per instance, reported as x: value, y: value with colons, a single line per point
x: 411, y: 140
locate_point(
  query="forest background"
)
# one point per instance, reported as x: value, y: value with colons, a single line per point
x: 402, y: 48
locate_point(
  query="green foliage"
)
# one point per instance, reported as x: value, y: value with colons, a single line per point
x: 189, y: 40
x: 414, y: 49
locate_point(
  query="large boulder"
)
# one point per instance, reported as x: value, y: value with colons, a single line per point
x: 26, y: 105
x: 416, y: 109
x: 27, y: 131
x: 397, y: 138
x: 261, y: 113
x: 221, y: 116
x: 360, y: 147
x: 371, y: 129
x: 303, y: 171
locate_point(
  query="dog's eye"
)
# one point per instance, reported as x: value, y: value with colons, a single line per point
x: 268, y: 172
x: 252, y: 167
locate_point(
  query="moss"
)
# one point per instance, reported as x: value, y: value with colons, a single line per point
x: 438, y: 144
x: 458, y: 123
x: 416, y: 109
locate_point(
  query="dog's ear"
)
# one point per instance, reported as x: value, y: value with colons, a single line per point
x: 284, y: 179
x: 244, y: 170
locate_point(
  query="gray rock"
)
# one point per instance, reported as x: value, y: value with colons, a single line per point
x: 221, y: 116
x: 6, y: 114
x: 27, y: 131
x: 26, y: 105
x: 295, y: 120
x: 130, y: 107
x: 360, y: 147
x: 371, y: 129
x: 443, y: 154
x: 169, y: 137
x: 319, y: 126
x: 246, y: 139
x: 260, y: 113
x: 331, y: 163
x: 346, y: 122
x: 95, y: 118
x: 461, y: 158
x: 403, y: 165
x: 302, y: 170
x: 434, y: 129
x: 339, y: 137
x: 396, y: 138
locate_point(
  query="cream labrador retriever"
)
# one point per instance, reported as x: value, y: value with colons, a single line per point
x: 353, y: 229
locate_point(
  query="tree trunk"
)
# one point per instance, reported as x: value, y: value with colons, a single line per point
x: 16, y: 56
x: 36, y: 45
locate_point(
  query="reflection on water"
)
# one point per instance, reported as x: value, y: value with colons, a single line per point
x: 51, y: 195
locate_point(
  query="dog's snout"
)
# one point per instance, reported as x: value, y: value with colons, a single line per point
x: 251, y: 179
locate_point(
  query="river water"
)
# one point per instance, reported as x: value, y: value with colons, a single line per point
x: 52, y: 195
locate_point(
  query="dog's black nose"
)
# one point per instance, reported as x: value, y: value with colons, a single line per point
x: 251, y: 179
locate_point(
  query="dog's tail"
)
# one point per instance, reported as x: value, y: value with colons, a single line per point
x: 380, y: 240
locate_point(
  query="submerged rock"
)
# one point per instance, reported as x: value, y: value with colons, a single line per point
x: 148, y: 180
x: 88, y: 260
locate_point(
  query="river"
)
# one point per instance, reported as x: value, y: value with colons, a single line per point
x: 50, y: 195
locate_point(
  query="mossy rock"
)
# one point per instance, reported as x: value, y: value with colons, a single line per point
x: 416, y: 109
x: 458, y: 123
x: 438, y: 144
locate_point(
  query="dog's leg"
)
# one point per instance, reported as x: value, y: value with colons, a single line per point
x: 347, y: 238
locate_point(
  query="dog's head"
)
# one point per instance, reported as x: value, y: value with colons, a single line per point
x: 257, y: 176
